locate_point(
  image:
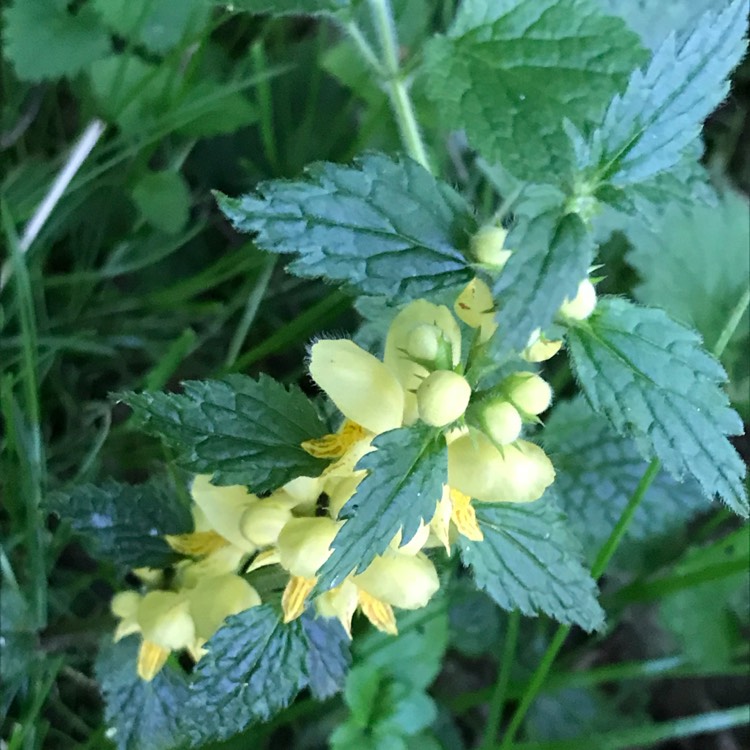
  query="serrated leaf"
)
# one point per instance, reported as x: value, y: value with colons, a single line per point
x: 241, y: 430
x: 509, y: 72
x: 552, y: 257
x: 596, y: 472
x: 254, y: 667
x: 530, y: 561
x: 125, y: 523
x: 646, y: 129
x: 383, y: 226
x: 328, y: 655
x: 45, y: 39
x: 156, y: 24
x: 653, y: 381
x: 404, y: 484
x: 143, y: 715
x: 163, y: 199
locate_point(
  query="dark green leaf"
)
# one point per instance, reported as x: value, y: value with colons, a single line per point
x: 407, y: 472
x: 383, y: 226
x: 255, y: 666
x: 508, y: 73
x: 651, y: 378
x: 646, y: 130
x: 45, y: 39
x: 243, y: 431
x: 530, y: 561
x: 552, y: 257
x: 340, y: 8
x: 125, y: 523
x: 18, y: 639
x: 597, y: 471
x: 328, y: 655
x: 142, y: 715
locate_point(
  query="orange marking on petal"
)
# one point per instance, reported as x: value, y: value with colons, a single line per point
x: 151, y: 658
x: 464, y: 516
x: 197, y: 543
x: 294, y: 596
x: 336, y: 444
x: 379, y: 613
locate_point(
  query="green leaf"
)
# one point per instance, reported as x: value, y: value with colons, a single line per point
x: 404, y: 484
x: 597, y: 471
x: 509, y: 72
x: 530, y: 561
x: 700, y: 616
x: 646, y: 130
x: 240, y: 430
x: 143, y: 715
x: 45, y: 39
x: 383, y: 226
x: 163, y: 199
x: 156, y: 24
x: 340, y: 8
x: 125, y: 523
x: 254, y: 667
x: 213, y: 108
x: 650, y: 377
x: 18, y: 640
x: 328, y: 656
x: 552, y: 257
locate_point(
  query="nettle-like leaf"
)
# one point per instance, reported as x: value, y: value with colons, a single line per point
x: 385, y: 227
x: 651, y: 378
x: 255, y: 667
x: 596, y: 472
x: 45, y: 39
x: 125, y: 523
x: 552, y: 257
x: 530, y: 561
x: 404, y: 484
x: 142, y: 715
x: 241, y: 430
x: 509, y: 72
x: 646, y: 129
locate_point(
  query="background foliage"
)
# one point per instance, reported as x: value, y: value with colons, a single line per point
x: 137, y: 281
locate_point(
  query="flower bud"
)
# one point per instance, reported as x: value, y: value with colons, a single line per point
x: 442, y: 398
x: 423, y: 343
x: 261, y: 523
x: 521, y: 473
x: 215, y: 599
x: 502, y: 422
x: 406, y: 581
x: 529, y: 392
x: 304, y: 545
x: 582, y: 305
x: 540, y: 349
x: 164, y: 619
x: 488, y: 246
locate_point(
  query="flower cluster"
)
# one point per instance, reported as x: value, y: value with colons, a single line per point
x: 426, y: 375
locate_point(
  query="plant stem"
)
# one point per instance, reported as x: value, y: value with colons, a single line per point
x: 604, y: 556
x: 503, y: 679
x: 732, y: 323
x: 393, y: 80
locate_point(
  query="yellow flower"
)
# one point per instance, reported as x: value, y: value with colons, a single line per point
x: 582, y: 305
x: 475, y: 307
x: 488, y: 246
x: 540, y: 349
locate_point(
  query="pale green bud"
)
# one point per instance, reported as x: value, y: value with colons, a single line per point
x: 424, y: 343
x: 261, y: 523
x: 488, y: 246
x: 502, y: 422
x: 529, y: 392
x: 442, y: 398
x: 582, y: 305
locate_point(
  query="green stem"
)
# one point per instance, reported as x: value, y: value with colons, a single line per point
x: 732, y: 323
x: 605, y: 554
x: 503, y: 679
x: 398, y: 91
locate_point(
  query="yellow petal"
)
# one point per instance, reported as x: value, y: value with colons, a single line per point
x: 196, y: 544
x: 267, y: 557
x: 125, y: 604
x: 360, y: 385
x: 405, y: 581
x: 215, y: 599
x: 151, y: 658
x: 415, y: 544
x: 227, y: 559
x: 540, y: 349
x: 464, y: 517
x: 124, y: 629
x: 521, y: 473
x: 164, y: 619
x: 378, y: 613
x: 475, y: 307
x: 340, y: 603
x: 294, y: 596
x: 488, y: 246
x: 262, y: 522
x: 336, y: 444
x: 223, y: 508
x: 441, y: 521
x: 304, y: 544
